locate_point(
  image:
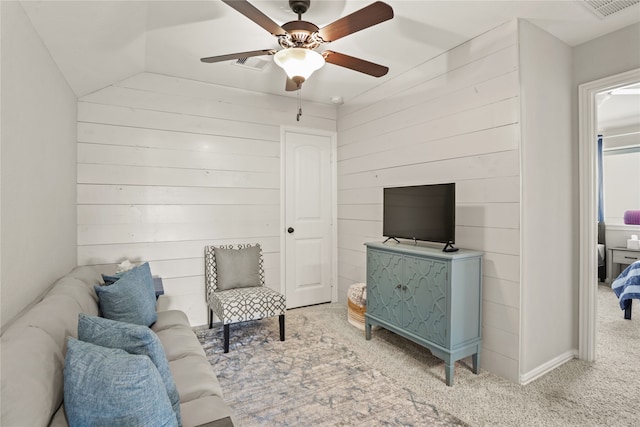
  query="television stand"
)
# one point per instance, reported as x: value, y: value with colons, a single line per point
x: 429, y: 297
x: 449, y: 247
x: 390, y: 238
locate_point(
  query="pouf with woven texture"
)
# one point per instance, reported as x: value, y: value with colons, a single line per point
x: 357, y: 304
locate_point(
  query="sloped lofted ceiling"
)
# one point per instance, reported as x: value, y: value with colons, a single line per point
x: 94, y: 43
x: 98, y: 43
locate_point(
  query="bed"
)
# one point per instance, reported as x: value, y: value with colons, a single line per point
x: 627, y: 287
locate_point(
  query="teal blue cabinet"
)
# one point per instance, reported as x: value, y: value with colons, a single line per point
x: 428, y: 296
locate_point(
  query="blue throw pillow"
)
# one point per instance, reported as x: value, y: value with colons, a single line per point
x: 134, y: 339
x: 110, y: 280
x: 131, y: 299
x: 107, y: 387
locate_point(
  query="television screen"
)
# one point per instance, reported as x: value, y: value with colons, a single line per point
x: 421, y: 212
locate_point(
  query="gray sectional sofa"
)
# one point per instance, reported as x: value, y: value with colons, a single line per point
x: 33, y: 352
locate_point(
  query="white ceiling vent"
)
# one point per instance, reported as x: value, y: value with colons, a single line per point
x: 605, y: 8
x: 253, y: 63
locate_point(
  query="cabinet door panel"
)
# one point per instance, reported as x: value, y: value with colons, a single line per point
x: 384, y: 273
x: 425, y: 299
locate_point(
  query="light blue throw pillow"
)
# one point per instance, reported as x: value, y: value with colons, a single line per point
x: 106, y: 387
x: 134, y: 339
x: 131, y: 299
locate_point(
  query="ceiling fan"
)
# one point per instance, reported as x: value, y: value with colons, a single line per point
x: 299, y: 39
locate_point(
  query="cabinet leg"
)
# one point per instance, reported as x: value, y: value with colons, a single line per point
x: 448, y: 372
x: 475, y: 359
x: 367, y: 330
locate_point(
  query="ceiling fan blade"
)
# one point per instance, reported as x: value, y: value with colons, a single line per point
x: 366, y: 17
x: 291, y: 86
x: 221, y: 58
x: 251, y: 12
x: 355, y: 64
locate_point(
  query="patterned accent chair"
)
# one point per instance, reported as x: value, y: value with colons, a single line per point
x: 235, y: 290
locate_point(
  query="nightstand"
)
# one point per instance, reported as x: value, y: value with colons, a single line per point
x: 619, y: 256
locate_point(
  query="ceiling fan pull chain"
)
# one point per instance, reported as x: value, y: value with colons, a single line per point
x: 299, y: 105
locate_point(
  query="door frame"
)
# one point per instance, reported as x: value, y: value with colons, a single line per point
x: 334, y: 206
x: 587, y: 130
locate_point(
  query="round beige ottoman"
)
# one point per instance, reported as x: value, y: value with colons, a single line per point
x: 357, y: 304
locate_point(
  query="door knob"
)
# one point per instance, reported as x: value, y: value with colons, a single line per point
x: 290, y: 230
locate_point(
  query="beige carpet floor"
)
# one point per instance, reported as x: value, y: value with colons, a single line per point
x: 603, y: 393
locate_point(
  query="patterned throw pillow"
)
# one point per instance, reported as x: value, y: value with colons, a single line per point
x: 134, y: 339
x: 237, y: 268
x: 131, y: 299
x: 106, y: 387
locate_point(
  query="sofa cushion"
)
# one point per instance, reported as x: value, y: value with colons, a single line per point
x: 180, y: 341
x: 31, y: 377
x: 87, y: 274
x: 194, y: 378
x: 106, y: 387
x: 131, y: 299
x: 134, y: 339
x: 57, y: 315
x: 237, y: 268
x: 169, y: 319
x: 75, y: 288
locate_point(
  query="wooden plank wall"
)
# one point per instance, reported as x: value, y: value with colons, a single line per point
x: 455, y: 118
x: 167, y: 166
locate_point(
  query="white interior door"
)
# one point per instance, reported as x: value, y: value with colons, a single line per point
x: 308, y: 231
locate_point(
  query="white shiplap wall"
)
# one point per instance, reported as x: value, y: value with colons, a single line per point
x: 167, y: 166
x: 455, y: 118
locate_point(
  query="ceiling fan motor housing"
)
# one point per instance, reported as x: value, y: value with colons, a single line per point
x: 300, y: 34
x: 299, y: 6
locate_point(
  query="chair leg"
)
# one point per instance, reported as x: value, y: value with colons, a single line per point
x: 210, y: 318
x: 281, y: 318
x: 226, y: 338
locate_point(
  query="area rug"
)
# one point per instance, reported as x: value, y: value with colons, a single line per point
x: 310, y: 379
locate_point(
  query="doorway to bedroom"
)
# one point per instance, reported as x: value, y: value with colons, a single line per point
x: 589, y: 95
x: 618, y: 177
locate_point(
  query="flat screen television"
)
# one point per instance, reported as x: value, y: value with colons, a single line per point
x: 421, y: 212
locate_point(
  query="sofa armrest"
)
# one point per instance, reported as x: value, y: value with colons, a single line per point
x: 209, y: 411
x: 223, y: 422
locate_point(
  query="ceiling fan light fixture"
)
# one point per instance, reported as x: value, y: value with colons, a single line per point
x: 299, y: 63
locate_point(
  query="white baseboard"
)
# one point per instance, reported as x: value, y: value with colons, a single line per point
x: 547, y: 367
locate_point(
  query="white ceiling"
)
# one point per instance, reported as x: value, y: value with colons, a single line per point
x: 619, y: 108
x: 97, y: 43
